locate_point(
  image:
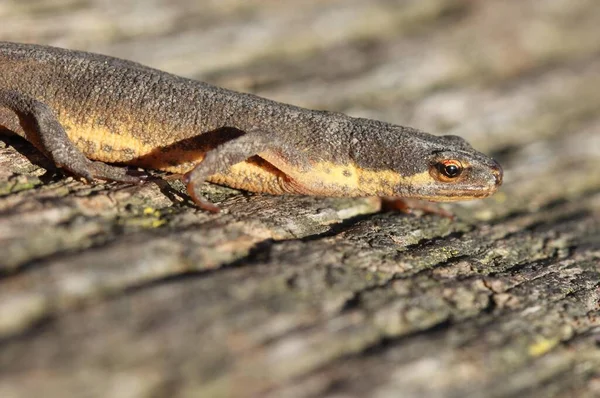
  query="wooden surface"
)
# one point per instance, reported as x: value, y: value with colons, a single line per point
x: 116, y: 291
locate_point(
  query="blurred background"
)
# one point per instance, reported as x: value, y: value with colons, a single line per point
x: 519, y: 79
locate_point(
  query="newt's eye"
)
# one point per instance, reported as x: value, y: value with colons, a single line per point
x: 447, y: 170
x: 451, y: 170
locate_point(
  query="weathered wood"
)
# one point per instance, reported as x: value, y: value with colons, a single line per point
x: 109, y: 290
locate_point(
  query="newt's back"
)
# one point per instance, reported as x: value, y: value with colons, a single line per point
x: 100, y: 99
x: 110, y: 102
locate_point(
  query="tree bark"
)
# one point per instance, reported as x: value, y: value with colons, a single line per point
x: 111, y: 290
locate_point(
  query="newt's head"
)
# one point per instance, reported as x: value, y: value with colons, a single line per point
x: 404, y: 162
x: 454, y: 172
x: 362, y: 157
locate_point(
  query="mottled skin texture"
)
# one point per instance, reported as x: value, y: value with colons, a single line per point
x: 83, y: 110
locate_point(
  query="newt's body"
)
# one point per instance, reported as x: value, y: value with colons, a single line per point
x: 76, y: 106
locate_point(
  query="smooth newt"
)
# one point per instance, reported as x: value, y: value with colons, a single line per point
x: 85, y: 110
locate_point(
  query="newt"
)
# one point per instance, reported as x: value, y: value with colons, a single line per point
x: 94, y: 115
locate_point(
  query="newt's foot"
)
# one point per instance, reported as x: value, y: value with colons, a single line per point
x: 198, y: 199
x: 126, y: 175
x: 406, y: 205
x: 91, y: 170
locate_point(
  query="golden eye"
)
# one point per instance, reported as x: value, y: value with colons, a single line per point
x: 448, y: 170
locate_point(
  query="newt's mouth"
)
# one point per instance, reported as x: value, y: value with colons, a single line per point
x: 461, y: 194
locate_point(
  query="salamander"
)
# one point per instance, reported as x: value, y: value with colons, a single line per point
x: 93, y: 114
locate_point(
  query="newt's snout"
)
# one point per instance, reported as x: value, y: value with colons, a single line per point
x: 498, y: 173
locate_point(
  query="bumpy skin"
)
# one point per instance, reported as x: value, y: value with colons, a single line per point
x: 84, y: 109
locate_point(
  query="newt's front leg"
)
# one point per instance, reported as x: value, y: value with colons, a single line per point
x: 40, y: 126
x: 221, y: 159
